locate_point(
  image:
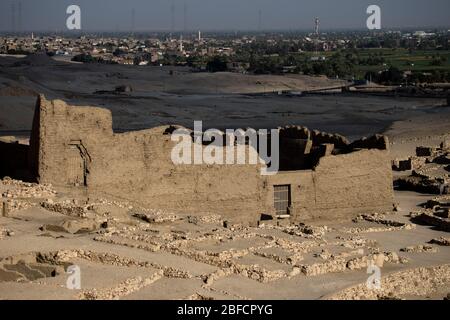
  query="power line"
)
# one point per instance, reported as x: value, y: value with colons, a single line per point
x: 13, y: 17
x: 20, y: 17
x: 316, y: 26
x: 259, y: 20
x: 133, y: 20
x: 172, y: 12
x: 185, y: 13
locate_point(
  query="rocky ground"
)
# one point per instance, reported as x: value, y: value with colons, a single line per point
x: 124, y: 251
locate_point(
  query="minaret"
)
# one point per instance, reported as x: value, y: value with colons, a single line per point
x: 316, y: 32
x: 199, y: 36
x: 181, y: 43
x: 316, y: 28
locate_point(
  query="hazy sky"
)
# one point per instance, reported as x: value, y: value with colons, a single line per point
x: 115, y: 15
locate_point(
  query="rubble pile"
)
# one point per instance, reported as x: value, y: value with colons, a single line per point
x: 442, y: 241
x: 22, y: 189
x: 420, y: 249
x: 390, y: 225
x: 301, y: 230
x: 432, y: 218
x: 4, y: 232
x: 66, y: 207
x: 123, y: 289
x: 419, y: 282
x: 111, y: 240
x: 63, y: 257
x: 430, y: 170
x: 157, y: 216
x: 212, y: 219
x: 14, y: 205
x: 406, y: 226
x: 334, y: 264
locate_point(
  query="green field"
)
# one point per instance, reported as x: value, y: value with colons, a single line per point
x: 403, y: 59
x: 418, y: 60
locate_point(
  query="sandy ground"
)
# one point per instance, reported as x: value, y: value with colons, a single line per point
x: 221, y: 100
x: 181, y: 257
x: 188, y: 258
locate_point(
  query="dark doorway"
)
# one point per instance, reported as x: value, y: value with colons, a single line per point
x: 77, y: 164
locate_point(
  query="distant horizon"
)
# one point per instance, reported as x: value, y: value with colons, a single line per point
x: 219, y: 15
x: 206, y: 31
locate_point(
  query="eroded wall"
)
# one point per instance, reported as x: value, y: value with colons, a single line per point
x: 137, y: 165
x: 340, y: 186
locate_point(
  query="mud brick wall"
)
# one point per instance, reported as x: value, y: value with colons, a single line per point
x: 137, y: 165
x: 339, y: 186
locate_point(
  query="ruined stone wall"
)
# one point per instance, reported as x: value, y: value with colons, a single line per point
x: 339, y: 187
x: 137, y: 165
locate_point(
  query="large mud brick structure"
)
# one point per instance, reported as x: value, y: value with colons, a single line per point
x: 322, y: 176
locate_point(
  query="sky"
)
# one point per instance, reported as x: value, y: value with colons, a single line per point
x: 233, y: 15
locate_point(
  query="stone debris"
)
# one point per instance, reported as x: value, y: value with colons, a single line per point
x: 353, y: 242
x: 66, y: 207
x: 111, y: 240
x: 430, y: 172
x: 20, y: 189
x: 315, y: 231
x: 4, y: 232
x: 63, y: 257
x: 157, y: 217
x: 14, y: 205
x: 418, y: 282
x: 301, y: 230
x: 389, y: 225
x: 406, y: 226
x: 221, y: 273
x: 213, y: 219
x: 432, y: 218
x: 284, y: 244
x: 442, y: 241
x: 123, y: 289
x: 336, y: 265
x: 326, y: 255
x: 340, y: 263
x: 420, y: 249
